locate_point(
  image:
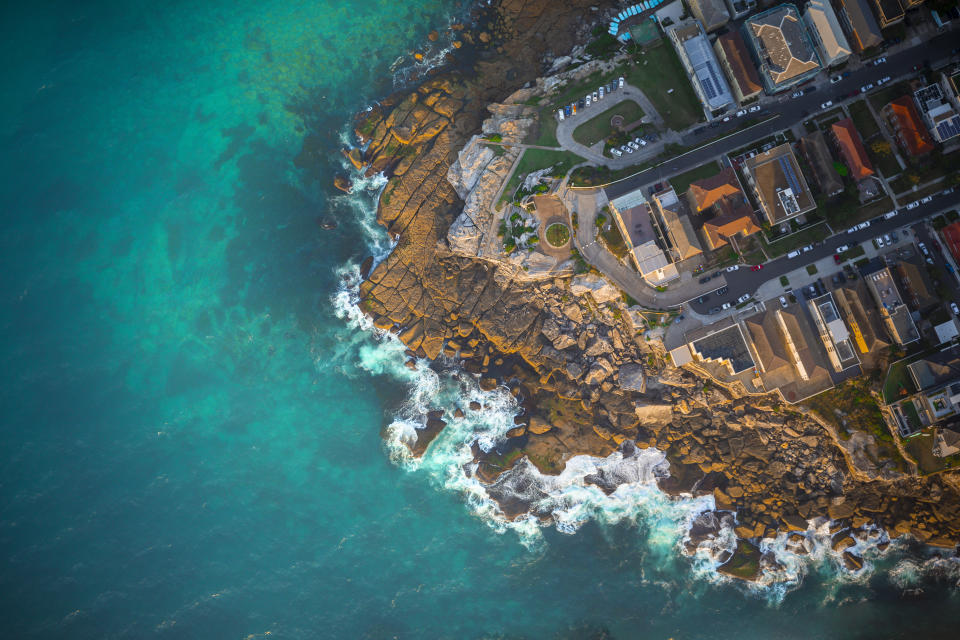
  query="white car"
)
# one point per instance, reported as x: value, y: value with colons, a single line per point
x: 560, y: 112
x: 616, y: 152
x: 889, y: 214
x: 725, y: 305
x: 809, y: 247
x: 794, y: 253
x: 726, y: 119
x: 733, y: 267
x: 863, y: 225
x: 887, y: 239
x: 879, y: 61
x: 627, y: 148
x: 741, y: 113
x: 743, y: 298
x: 926, y: 199
x: 953, y: 307
x: 913, y: 205
x: 633, y: 145
x: 842, y: 248
x: 620, y: 83
x: 836, y: 79
x: 827, y: 104
x: 596, y: 96
x: 880, y: 242
x: 796, y: 94
x: 866, y: 87
x: 600, y: 92
x: 883, y: 80
x: 754, y: 108
x: 588, y: 100
x: 783, y: 302
x: 640, y: 141
x: 853, y: 228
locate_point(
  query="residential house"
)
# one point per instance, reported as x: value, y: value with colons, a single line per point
x: 735, y: 59
x: 858, y: 21
x: 866, y: 325
x: 631, y: 213
x: 827, y: 35
x: 895, y: 314
x: 889, y: 12
x: 941, y: 118
x: 671, y: 216
x: 779, y: 185
x: 712, y: 14
x: 937, y: 378
x: 721, y: 201
x: 917, y: 290
x: 782, y: 47
x: 833, y: 332
x: 908, y: 127
x: 701, y: 64
x: 848, y: 140
x: 814, y: 147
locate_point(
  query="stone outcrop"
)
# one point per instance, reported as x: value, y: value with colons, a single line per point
x: 586, y: 380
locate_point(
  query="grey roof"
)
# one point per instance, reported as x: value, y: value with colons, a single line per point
x: 707, y: 71
x: 727, y: 345
x: 935, y: 370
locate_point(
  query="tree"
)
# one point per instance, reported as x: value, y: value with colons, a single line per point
x: 881, y: 147
x: 913, y: 178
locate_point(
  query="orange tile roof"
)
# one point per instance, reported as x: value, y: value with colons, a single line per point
x: 709, y: 191
x: 911, y: 129
x: 851, y: 147
x: 733, y: 221
x: 744, y: 73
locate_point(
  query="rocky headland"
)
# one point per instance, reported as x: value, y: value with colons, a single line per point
x: 569, y: 347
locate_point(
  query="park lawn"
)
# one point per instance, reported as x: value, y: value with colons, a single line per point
x: 599, y: 128
x: 545, y: 134
x: 863, y: 120
x: 920, y: 448
x: 534, y: 160
x: 681, y: 182
x: 657, y: 70
x: 558, y: 234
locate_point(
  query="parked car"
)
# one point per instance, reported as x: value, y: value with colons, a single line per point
x: 574, y: 107
x: 809, y: 247
x: 640, y: 141
x: 783, y: 301
x: 879, y: 61
x: 953, y: 307
x: 726, y: 119
x: 863, y: 225
x: 887, y: 238
x: 733, y: 267
x: 926, y: 199
x: 633, y: 145
x: 835, y: 79
x: 837, y: 258
x: 794, y: 253
x: 722, y: 291
x: 866, y: 87
x: 581, y: 103
x: 743, y: 298
x: 704, y: 280
x: 620, y: 82
x: 754, y: 108
x: 947, y: 191
x: 616, y: 152
x: 703, y: 298
x: 627, y: 148
x: 879, y: 242
x: 827, y: 104
x: 726, y: 305
x: 842, y: 248
x: 596, y: 96
x: 796, y: 94
x: 600, y: 92
x: 561, y: 114
x: 889, y: 214
x: 714, y: 310
x: 756, y: 267
x: 914, y: 204
x: 588, y: 100
x: 883, y: 80
x: 741, y: 113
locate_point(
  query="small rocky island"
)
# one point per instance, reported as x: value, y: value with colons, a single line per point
x: 485, y: 270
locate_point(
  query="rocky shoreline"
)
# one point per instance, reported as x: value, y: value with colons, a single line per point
x: 567, y: 347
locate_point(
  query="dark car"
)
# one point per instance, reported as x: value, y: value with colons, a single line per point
x: 713, y: 311
x: 567, y: 111
x: 703, y: 299
x: 722, y: 290
x: 581, y: 103
x: 705, y: 280
x: 809, y: 90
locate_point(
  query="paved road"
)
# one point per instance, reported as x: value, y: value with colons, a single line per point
x: 746, y: 281
x: 789, y: 112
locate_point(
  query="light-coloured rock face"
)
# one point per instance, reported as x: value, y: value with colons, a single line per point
x: 631, y: 376
x: 601, y: 290
x: 470, y: 164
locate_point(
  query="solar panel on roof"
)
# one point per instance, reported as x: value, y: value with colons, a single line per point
x: 949, y: 128
x: 790, y: 175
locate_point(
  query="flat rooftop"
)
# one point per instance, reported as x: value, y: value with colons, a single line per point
x: 726, y: 345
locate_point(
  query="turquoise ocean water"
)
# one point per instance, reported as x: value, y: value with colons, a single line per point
x: 191, y: 445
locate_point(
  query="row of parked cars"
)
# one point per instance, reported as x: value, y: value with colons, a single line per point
x: 634, y: 145
x: 591, y: 98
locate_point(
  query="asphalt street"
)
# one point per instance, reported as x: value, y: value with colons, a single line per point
x: 745, y: 281
x: 788, y: 112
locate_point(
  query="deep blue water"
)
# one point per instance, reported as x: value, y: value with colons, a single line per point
x: 190, y: 443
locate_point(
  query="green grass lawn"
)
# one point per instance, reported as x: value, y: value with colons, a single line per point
x: 656, y: 71
x: 881, y: 97
x: 534, y: 160
x: 558, y: 234
x: 920, y: 448
x: 863, y: 120
x: 897, y: 379
x: 545, y: 134
x: 614, y: 241
x: 681, y: 183
x: 599, y: 128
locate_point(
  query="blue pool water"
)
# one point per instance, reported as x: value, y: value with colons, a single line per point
x: 193, y: 415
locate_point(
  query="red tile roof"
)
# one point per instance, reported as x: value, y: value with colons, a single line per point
x: 912, y: 131
x: 851, y: 148
x: 708, y: 191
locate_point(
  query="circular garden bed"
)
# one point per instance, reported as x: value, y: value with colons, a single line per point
x: 558, y: 235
